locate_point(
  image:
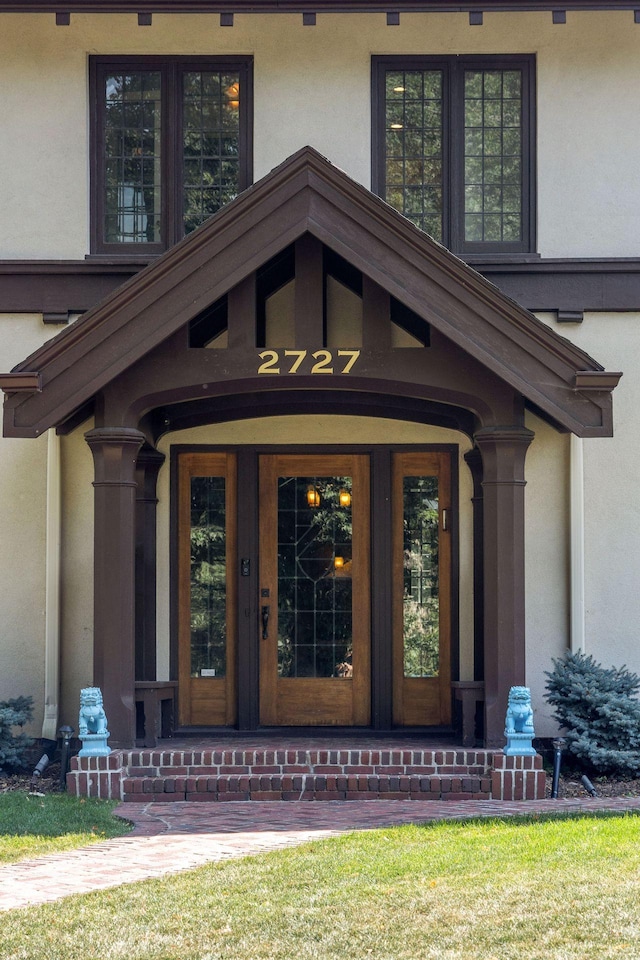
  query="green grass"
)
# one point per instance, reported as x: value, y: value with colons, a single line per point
x: 31, y: 826
x: 493, y: 890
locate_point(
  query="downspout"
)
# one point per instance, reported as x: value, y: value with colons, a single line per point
x: 52, y: 590
x: 576, y: 484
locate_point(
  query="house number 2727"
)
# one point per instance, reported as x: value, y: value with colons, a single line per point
x: 320, y: 361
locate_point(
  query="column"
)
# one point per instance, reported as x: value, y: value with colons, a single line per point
x: 115, y: 450
x: 474, y: 461
x: 503, y: 452
x: 148, y: 466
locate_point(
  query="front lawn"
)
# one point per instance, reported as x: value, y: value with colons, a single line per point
x: 31, y: 826
x: 564, y: 889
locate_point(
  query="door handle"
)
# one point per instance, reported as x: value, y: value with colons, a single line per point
x: 265, y: 623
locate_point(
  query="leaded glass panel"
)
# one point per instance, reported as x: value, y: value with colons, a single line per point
x: 413, y: 146
x: 208, y: 577
x: 493, y: 156
x: 132, y: 155
x: 421, y: 605
x: 314, y: 577
x: 211, y: 138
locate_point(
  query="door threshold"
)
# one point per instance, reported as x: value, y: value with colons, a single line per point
x: 399, y: 733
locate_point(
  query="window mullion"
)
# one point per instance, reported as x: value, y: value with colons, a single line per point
x: 454, y: 117
x: 172, y: 140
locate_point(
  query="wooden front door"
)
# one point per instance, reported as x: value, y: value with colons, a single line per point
x: 314, y: 582
x: 421, y: 518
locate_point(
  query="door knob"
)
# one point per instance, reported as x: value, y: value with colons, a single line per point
x: 265, y: 623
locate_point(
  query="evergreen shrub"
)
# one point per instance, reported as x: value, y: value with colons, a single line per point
x: 14, y: 748
x: 600, y: 711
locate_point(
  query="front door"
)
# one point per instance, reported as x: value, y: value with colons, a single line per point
x: 315, y: 664
x: 311, y: 635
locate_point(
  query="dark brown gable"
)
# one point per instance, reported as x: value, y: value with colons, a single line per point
x: 307, y: 195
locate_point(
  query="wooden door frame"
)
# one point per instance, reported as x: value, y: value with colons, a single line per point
x: 381, y: 558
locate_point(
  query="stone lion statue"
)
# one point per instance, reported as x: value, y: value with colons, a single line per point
x: 93, y: 719
x: 519, y: 713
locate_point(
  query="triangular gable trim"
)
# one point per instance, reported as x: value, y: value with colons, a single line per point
x: 307, y: 194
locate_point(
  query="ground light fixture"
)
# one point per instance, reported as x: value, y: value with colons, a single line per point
x: 66, y: 732
x: 559, y: 743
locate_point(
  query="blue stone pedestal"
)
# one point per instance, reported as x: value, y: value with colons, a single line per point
x: 519, y: 745
x: 95, y: 745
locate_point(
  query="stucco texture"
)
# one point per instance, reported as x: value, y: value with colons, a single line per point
x: 312, y: 86
x: 23, y: 481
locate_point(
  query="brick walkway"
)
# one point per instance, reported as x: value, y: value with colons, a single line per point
x: 170, y: 837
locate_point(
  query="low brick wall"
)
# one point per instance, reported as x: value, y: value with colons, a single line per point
x: 271, y: 774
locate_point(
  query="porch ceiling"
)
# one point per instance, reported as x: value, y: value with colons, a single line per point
x: 307, y: 195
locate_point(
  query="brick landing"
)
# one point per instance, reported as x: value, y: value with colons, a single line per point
x: 381, y: 769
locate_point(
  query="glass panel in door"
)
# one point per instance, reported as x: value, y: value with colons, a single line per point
x: 207, y: 589
x: 422, y: 589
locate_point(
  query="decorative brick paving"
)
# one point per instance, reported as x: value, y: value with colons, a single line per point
x: 171, y: 837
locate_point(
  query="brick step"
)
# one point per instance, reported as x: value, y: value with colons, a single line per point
x: 291, y: 762
x: 146, y: 789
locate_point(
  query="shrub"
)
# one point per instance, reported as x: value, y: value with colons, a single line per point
x: 600, y: 711
x: 14, y: 747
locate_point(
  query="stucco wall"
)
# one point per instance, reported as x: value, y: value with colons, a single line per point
x: 547, y: 560
x: 23, y: 483
x: 612, y: 505
x: 76, y: 628
x: 312, y: 86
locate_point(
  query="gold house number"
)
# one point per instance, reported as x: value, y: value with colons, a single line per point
x: 293, y: 360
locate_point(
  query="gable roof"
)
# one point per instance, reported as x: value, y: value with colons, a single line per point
x: 307, y: 194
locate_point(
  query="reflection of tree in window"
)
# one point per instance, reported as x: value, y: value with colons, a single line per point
x: 211, y: 136
x: 132, y: 157
x: 421, y: 587
x: 208, y: 577
x: 314, y: 576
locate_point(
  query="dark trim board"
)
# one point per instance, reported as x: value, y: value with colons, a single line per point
x: 74, y: 286
x: 300, y: 6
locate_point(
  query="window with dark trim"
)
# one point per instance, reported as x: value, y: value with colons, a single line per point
x: 453, y: 148
x: 171, y: 144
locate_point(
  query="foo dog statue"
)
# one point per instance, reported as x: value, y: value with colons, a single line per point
x: 92, y: 724
x: 519, y: 724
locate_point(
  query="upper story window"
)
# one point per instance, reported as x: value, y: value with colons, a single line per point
x: 170, y: 146
x: 453, y: 148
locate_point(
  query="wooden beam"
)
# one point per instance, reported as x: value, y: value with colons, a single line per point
x: 309, y: 295
x: 20, y: 382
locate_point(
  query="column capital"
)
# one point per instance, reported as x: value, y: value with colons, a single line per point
x: 114, y: 435
x: 503, y: 435
x: 115, y: 451
x: 148, y: 466
x: 503, y: 452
